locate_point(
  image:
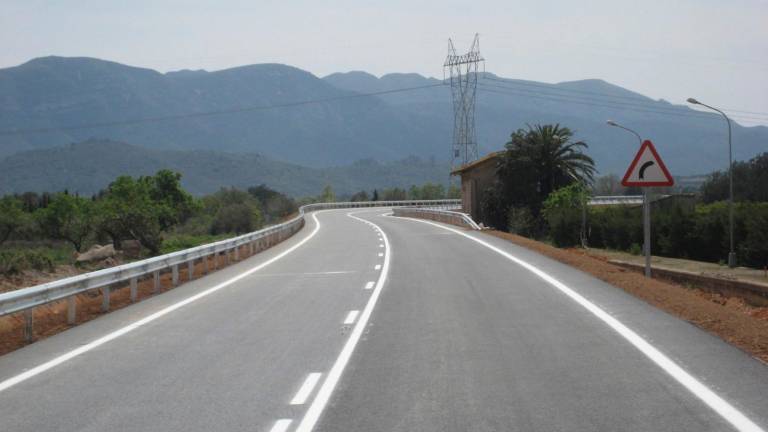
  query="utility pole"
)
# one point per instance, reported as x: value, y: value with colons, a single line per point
x: 461, y: 71
x: 732, y: 252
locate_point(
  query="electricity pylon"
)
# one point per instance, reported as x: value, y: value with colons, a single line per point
x: 461, y: 72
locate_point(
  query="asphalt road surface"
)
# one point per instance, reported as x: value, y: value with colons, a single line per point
x: 367, y: 322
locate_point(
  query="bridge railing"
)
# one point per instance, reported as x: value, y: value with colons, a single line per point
x: 447, y: 215
x: 26, y: 299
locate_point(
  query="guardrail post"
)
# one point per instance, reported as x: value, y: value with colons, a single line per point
x: 191, y: 269
x: 156, y: 277
x: 71, y: 309
x: 215, y: 260
x: 228, y: 254
x: 175, y: 274
x: 28, y: 325
x: 134, y: 289
x: 105, y: 293
x: 205, y: 264
x: 252, y: 247
x: 237, y: 253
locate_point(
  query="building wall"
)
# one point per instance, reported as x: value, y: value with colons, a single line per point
x: 474, y: 181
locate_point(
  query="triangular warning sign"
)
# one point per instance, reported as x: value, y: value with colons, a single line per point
x: 647, y: 169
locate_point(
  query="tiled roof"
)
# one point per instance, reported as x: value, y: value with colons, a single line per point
x: 482, y: 160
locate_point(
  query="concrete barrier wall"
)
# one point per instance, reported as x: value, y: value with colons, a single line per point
x: 449, y: 217
x: 753, y: 293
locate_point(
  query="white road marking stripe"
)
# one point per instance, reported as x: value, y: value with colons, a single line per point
x: 324, y: 394
x: 281, y: 425
x: 369, y: 285
x: 10, y: 382
x: 306, y: 388
x: 308, y: 273
x: 381, y: 245
x: 377, y: 267
x: 381, y: 254
x: 698, y: 389
x: 351, y: 317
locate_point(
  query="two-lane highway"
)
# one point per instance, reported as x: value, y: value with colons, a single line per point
x: 366, y: 322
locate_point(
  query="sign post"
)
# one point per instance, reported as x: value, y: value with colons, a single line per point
x: 647, y: 170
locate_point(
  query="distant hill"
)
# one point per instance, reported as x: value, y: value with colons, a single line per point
x: 689, y: 144
x: 90, y: 166
x: 53, y: 92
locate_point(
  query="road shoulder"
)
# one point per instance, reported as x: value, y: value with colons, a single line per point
x: 729, y: 320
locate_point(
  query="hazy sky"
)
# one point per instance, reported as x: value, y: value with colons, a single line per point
x: 716, y: 51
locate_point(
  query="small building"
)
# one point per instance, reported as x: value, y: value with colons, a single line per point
x: 476, y: 177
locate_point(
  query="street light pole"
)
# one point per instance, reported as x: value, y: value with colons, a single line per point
x: 732, y: 252
x: 646, y: 209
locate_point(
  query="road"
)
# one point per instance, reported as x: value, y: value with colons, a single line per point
x: 368, y: 322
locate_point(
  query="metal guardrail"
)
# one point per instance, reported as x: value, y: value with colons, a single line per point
x: 26, y: 299
x: 440, y: 215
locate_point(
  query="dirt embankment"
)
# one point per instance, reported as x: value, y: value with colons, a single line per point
x: 30, y: 278
x: 730, y: 318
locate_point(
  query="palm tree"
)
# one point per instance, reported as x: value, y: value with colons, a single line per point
x: 540, y: 160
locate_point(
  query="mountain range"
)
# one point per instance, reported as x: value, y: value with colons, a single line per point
x: 279, y: 114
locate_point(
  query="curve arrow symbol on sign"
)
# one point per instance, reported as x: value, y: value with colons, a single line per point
x: 644, y: 167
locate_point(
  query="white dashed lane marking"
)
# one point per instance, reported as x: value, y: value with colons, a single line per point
x: 306, y: 388
x: 351, y: 317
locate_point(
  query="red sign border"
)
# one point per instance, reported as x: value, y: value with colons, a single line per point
x: 670, y: 180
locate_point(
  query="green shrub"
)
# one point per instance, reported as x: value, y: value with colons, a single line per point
x: 237, y: 218
x: 615, y: 227
x: 14, y: 262
x: 520, y: 221
x: 563, y: 210
x: 179, y: 242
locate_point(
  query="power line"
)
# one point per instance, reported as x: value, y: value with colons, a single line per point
x: 599, y: 103
x: 11, y: 132
x: 550, y: 88
x: 605, y: 104
x: 639, y: 99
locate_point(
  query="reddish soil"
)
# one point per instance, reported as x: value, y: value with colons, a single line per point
x: 730, y: 318
x: 30, y: 278
x: 51, y: 319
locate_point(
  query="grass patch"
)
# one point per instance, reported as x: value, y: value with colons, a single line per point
x: 15, y: 261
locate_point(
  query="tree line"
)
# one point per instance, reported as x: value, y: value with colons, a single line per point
x: 145, y: 209
x: 427, y: 191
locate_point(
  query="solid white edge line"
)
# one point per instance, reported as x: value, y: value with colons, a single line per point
x: 324, y: 394
x: 10, y: 382
x: 369, y: 285
x: 727, y: 411
x: 281, y: 425
x: 351, y: 317
x: 306, y: 389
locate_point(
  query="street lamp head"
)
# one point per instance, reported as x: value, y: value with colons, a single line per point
x: 611, y: 122
x: 693, y: 101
